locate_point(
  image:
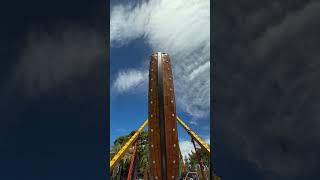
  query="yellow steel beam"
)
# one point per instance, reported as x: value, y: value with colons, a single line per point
x: 124, y: 149
x: 203, y: 145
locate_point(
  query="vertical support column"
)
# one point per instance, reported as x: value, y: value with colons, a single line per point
x: 163, y: 136
x: 161, y: 119
x: 154, y: 128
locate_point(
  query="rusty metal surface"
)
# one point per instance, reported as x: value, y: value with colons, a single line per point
x: 163, y: 136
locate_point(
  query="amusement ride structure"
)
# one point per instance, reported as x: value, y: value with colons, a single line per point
x: 164, y: 153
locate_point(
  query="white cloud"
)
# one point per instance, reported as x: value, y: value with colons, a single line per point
x: 186, y: 147
x: 129, y: 79
x: 180, y: 28
x: 207, y: 140
x: 126, y: 26
x: 197, y: 71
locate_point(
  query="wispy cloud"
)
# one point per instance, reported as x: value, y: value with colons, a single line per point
x: 51, y: 60
x: 127, y: 80
x: 180, y: 28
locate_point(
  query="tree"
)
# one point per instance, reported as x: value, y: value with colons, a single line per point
x: 122, y: 168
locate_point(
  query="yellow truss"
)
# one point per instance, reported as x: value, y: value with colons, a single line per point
x: 203, y: 145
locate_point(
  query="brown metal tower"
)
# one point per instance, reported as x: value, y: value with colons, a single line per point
x: 163, y: 136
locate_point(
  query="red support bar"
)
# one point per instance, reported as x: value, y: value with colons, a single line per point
x: 199, y: 160
x: 132, y: 160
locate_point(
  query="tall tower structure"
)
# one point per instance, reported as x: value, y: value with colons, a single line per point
x: 162, y: 127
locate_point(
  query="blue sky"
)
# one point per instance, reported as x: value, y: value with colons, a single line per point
x: 180, y: 29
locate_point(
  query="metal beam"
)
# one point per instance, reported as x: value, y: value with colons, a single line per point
x: 132, y: 160
x: 163, y: 135
x: 125, y: 148
x: 161, y: 119
x: 203, y: 145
